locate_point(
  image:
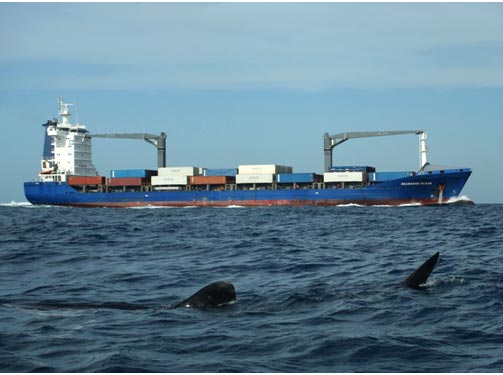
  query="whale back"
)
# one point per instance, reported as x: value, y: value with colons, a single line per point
x: 216, y: 294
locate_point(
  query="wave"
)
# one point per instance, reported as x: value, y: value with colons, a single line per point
x: 378, y: 205
x: 409, y: 205
x: 397, y: 205
x: 149, y: 207
x: 460, y: 200
x: 452, y: 280
x: 16, y: 204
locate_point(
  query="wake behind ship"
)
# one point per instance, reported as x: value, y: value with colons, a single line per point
x: 69, y: 178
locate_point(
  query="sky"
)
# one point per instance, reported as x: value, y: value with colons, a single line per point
x: 257, y: 83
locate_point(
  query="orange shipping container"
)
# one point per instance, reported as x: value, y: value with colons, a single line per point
x: 85, y: 180
x: 211, y: 180
x: 125, y: 181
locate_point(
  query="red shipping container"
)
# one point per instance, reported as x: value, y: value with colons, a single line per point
x: 211, y: 180
x: 85, y: 180
x: 125, y: 181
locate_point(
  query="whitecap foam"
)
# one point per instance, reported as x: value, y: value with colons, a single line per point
x: 378, y: 205
x: 409, y: 205
x: 149, y: 207
x: 460, y: 199
x: 16, y: 204
x: 456, y: 280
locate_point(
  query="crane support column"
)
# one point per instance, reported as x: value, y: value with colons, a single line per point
x: 422, y: 149
x: 327, y: 149
x: 161, y: 151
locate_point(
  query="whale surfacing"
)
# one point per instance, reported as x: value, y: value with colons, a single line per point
x: 216, y: 294
x: 420, y: 276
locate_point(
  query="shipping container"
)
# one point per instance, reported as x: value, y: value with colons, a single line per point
x: 126, y: 181
x: 290, y: 178
x: 169, y: 180
x: 139, y: 173
x: 211, y: 180
x: 85, y: 180
x: 388, y: 176
x: 254, y: 178
x: 180, y: 171
x: 263, y: 169
x: 352, y: 168
x: 221, y: 172
x: 344, y: 176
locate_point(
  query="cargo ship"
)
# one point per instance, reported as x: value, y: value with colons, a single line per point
x: 68, y: 177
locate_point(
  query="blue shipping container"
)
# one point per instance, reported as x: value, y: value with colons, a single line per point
x: 138, y: 173
x: 290, y: 178
x: 388, y: 176
x: 220, y: 172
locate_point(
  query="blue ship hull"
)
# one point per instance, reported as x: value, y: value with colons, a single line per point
x: 434, y: 187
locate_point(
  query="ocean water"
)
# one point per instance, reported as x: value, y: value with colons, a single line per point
x: 318, y: 288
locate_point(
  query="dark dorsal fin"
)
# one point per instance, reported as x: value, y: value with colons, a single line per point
x: 420, y: 276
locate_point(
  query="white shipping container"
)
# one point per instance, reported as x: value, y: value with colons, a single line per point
x: 343, y: 176
x: 254, y: 178
x: 263, y: 169
x: 179, y: 171
x: 169, y: 180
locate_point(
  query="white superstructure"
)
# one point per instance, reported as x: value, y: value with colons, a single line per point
x: 71, y: 149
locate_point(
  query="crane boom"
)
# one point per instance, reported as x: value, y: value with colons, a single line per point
x: 158, y: 141
x: 330, y: 141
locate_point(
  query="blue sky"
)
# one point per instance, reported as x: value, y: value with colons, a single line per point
x: 238, y: 83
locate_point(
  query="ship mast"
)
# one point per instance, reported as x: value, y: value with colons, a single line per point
x: 64, y: 112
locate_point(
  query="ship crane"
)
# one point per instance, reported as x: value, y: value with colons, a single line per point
x: 330, y: 141
x: 158, y: 141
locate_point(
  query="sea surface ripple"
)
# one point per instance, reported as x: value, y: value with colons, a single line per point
x: 319, y: 289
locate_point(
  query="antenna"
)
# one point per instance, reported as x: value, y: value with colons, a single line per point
x: 64, y: 111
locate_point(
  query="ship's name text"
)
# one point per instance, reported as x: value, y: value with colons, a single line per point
x: 417, y: 183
